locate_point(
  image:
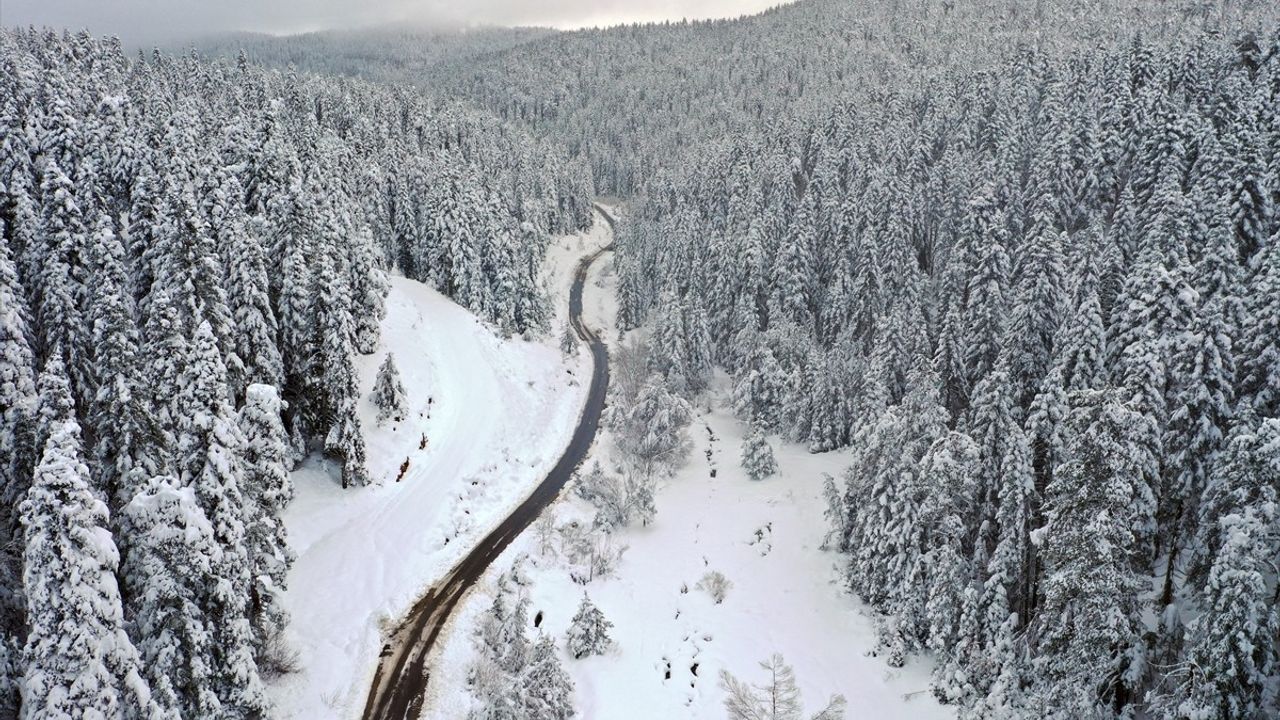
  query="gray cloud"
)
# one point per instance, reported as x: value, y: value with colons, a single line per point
x: 142, y: 21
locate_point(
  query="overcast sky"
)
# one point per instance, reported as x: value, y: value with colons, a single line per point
x: 158, y: 20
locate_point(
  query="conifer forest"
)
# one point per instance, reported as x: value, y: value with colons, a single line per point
x: 837, y: 359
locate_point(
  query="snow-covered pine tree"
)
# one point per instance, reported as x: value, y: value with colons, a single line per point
x: 57, y: 312
x: 588, y: 632
x: 267, y: 490
x: 640, y: 492
x: 757, y: 455
x: 947, y: 476
x: 165, y: 345
x: 125, y: 432
x: 369, y: 287
x: 208, y: 455
x: 78, y: 659
x: 1202, y: 375
x: 512, y: 648
x: 548, y: 690
x: 1090, y: 657
x: 338, y: 387
x: 388, y: 392
x: 759, y: 386
x: 1232, y: 651
x: 55, y: 402
x: 18, y: 401
x: 346, y: 441
x: 988, y: 288
x: 256, y: 330
x: 1259, y: 349
x: 652, y: 429
x: 1038, y: 306
x: 172, y: 551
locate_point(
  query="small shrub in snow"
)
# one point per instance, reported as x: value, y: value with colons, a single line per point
x: 588, y: 634
x: 716, y: 585
x: 388, y: 392
x: 757, y: 456
x: 277, y: 657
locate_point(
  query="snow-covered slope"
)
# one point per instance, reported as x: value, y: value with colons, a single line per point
x: 495, y: 415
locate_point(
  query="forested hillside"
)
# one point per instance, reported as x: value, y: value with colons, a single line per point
x: 638, y: 99
x: 192, y: 254
x: 1040, y: 302
x: 409, y: 57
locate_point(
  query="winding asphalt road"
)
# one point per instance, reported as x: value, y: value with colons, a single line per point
x: 402, y: 676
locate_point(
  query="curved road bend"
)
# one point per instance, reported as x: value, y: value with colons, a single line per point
x: 400, y: 681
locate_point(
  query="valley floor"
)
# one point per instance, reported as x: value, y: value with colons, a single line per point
x: 488, y: 417
x: 672, y: 641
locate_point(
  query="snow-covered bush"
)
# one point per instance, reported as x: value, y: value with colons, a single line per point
x: 617, y: 501
x: 716, y: 585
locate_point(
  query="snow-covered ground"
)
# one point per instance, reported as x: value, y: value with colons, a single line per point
x: 494, y: 415
x: 764, y: 536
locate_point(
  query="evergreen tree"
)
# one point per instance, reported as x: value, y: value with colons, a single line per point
x: 1259, y: 349
x: 171, y: 559
x: 369, y: 286
x: 757, y: 393
x: 79, y: 661
x: 1037, y: 309
x: 388, y: 392
x: 588, y: 632
x: 757, y: 456
x: 346, y: 441
x: 987, y: 293
x: 256, y: 331
x: 1232, y: 644
x: 208, y: 451
x: 1202, y: 399
x: 569, y: 342
x: 127, y: 438
x: 267, y: 490
x: 1090, y: 655
x: 652, y: 429
x: 18, y: 401
x: 548, y: 690
x: 63, y: 229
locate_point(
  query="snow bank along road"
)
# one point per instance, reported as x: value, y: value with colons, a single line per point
x: 402, y: 675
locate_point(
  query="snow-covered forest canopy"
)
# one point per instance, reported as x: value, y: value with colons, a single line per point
x: 193, y: 253
x: 1040, y: 303
x: 1019, y: 262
